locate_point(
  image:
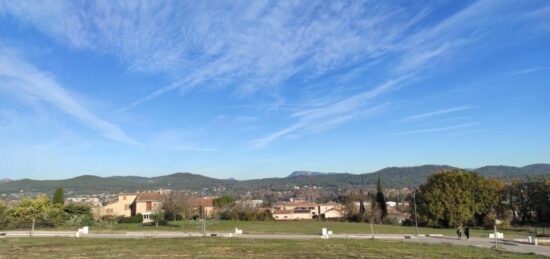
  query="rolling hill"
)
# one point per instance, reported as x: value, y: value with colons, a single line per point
x: 393, y: 177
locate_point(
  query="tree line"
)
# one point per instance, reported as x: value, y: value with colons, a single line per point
x: 450, y: 198
x: 43, y: 212
x: 178, y: 206
x: 457, y: 198
x: 372, y: 206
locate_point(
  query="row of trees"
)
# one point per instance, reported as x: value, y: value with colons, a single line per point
x: 529, y: 201
x: 179, y: 206
x: 457, y: 198
x: 378, y: 211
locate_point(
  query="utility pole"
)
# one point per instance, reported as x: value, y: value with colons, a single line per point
x: 415, y: 216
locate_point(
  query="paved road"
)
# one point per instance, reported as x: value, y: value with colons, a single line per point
x: 506, y: 245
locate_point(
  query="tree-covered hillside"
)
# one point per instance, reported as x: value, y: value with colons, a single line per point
x: 393, y: 177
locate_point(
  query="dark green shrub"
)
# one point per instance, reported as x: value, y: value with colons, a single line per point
x: 138, y: 218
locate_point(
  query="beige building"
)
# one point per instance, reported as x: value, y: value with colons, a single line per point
x: 123, y: 207
x: 147, y: 204
x: 298, y: 209
x: 129, y: 205
x: 292, y: 214
x: 334, y: 214
x: 331, y: 210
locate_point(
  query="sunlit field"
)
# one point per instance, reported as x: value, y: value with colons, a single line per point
x: 236, y: 248
x: 287, y: 227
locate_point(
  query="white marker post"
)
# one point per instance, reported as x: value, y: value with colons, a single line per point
x: 496, y: 233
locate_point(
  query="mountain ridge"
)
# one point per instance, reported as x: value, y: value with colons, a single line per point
x: 307, y: 173
x: 393, y: 177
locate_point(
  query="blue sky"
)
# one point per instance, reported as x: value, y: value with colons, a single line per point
x: 251, y: 89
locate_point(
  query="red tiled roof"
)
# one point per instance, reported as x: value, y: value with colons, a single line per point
x: 208, y: 201
x: 153, y: 196
x: 295, y: 204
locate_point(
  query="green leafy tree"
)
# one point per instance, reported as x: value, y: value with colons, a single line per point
x: 454, y: 198
x: 157, y: 217
x: 58, y: 196
x: 31, y: 210
x: 78, y: 214
x: 381, y: 200
x: 224, y: 201
x: 530, y: 200
x: 3, y: 214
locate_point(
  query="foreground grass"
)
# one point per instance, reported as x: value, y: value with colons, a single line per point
x: 236, y: 248
x: 288, y: 227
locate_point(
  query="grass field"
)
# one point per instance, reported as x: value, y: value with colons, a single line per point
x: 288, y: 227
x: 236, y: 248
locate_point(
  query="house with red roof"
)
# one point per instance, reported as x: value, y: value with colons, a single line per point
x: 128, y: 205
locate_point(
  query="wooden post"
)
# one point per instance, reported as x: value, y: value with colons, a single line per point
x: 32, y: 228
x: 371, y: 230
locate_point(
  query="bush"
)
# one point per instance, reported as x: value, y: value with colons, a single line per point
x: 355, y: 217
x: 52, y: 217
x: 173, y: 216
x: 80, y: 220
x: 3, y: 215
x: 78, y: 215
x: 162, y: 222
x: 248, y: 214
x: 390, y: 221
x: 109, y: 219
x: 138, y: 218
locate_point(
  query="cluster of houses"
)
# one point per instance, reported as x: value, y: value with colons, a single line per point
x: 147, y: 204
x: 296, y: 209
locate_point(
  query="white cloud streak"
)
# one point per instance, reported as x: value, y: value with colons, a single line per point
x: 322, y: 118
x: 19, y: 77
x: 438, y: 112
x: 528, y: 70
x: 433, y: 130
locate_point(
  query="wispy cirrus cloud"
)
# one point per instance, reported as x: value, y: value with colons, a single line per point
x: 421, y: 51
x: 433, y: 130
x: 528, y: 70
x: 215, y: 45
x: 328, y: 116
x: 26, y: 81
x: 422, y: 116
x: 257, y: 48
x: 418, y: 51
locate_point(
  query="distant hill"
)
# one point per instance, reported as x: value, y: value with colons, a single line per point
x: 511, y: 171
x: 392, y: 177
x: 306, y: 173
x: 5, y: 180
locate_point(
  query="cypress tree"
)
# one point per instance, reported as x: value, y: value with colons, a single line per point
x: 58, y: 196
x: 361, y: 204
x: 381, y: 200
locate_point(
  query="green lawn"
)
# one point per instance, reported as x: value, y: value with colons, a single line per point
x: 284, y: 227
x: 236, y: 248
